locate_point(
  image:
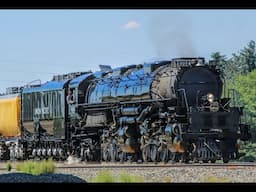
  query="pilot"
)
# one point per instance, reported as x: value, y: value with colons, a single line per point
x: 70, y: 97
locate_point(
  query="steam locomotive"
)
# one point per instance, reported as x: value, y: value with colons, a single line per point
x: 171, y: 110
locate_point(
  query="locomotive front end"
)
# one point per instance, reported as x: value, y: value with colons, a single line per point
x: 214, y: 125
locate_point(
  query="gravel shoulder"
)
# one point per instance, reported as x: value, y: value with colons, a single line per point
x: 174, y: 175
x: 168, y: 174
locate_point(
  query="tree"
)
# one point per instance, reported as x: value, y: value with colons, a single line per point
x: 232, y: 67
x: 248, y: 57
x: 244, y: 61
x: 240, y: 74
x: 245, y: 85
x: 240, y: 63
x: 220, y: 61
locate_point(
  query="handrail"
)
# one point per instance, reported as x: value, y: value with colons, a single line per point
x: 185, y: 97
x: 29, y: 84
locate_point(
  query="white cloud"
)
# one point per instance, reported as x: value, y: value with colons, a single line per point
x: 131, y: 25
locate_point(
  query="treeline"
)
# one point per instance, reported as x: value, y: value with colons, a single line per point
x: 240, y: 74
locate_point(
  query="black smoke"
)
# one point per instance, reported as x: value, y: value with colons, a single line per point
x: 170, y: 34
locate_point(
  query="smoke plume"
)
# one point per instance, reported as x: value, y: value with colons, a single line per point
x: 170, y: 35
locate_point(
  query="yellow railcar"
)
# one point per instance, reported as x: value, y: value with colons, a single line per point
x: 10, y: 113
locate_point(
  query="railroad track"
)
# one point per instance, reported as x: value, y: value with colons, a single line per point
x: 141, y: 166
x: 152, y: 165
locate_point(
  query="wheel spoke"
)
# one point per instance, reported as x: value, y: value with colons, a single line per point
x: 153, y: 153
x: 145, y: 153
x: 113, y: 152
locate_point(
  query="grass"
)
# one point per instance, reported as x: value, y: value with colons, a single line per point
x: 126, y: 178
x: 36, y: 168
x: 104, y: 177
x: 107, y: 177
x: 167, y: 180
x: 8, y: 166
x: 214, y: 179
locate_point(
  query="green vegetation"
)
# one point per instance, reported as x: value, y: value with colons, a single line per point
x: 104, y: 177
x: 126, y: 178
x: 245, y: 85
x: 36, y: 168
x: 249, y: 150
x: 240, y: 74
x: 167, y: 180
x: 241, y: 63
x: 108, y: 177
x: 214, y: 179
x: 8, y: 166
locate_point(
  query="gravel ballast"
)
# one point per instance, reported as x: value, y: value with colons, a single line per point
x: 155, y: 175
x: 174, y: 175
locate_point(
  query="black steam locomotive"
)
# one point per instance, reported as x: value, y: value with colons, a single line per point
x: 160, y: 111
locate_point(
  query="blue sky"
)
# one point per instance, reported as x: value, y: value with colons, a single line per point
x: 37, y: 44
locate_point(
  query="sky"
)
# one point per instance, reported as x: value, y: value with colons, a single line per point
x: 37, y: 44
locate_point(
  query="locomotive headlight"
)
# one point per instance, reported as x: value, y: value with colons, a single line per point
x: 210, y: 97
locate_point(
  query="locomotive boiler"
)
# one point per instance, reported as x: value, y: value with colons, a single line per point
x: 173, y: 110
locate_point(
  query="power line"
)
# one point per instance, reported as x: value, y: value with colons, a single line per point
x: 12, y: 81
x: 35, y: 72
x: 40, y: 63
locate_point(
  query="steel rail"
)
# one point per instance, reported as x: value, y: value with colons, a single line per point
x: 167, y: 165
x: 143, y: 166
